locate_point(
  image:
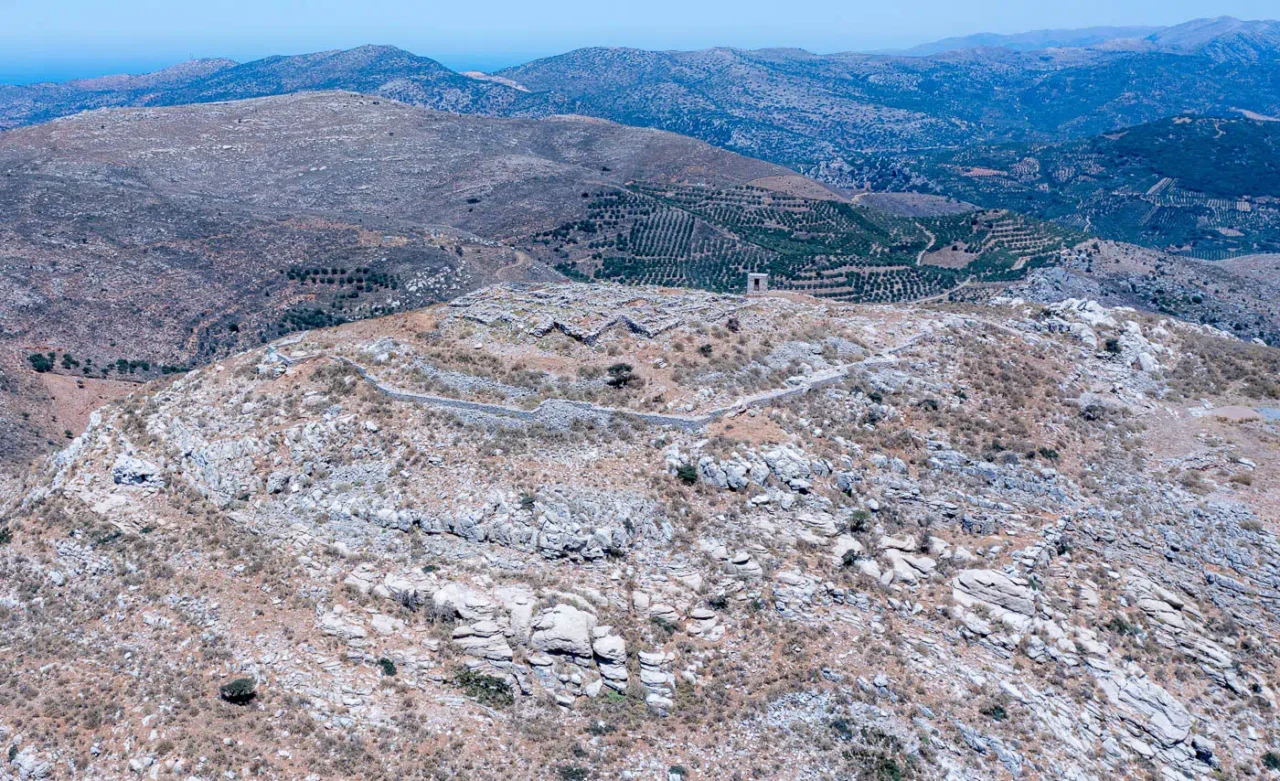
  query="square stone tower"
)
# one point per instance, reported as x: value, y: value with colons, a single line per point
x: 757, y: 284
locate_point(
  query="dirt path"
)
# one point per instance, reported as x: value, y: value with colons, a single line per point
x: 557, y: 408
x: 514, y: 271
x: 932, y: 240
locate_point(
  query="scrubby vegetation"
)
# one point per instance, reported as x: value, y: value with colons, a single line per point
x: 486, y: 689
x: 239, y: 692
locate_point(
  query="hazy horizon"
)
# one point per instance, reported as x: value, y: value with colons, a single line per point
x: 137, y: 36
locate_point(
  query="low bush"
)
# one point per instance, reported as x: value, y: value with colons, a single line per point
x: 241, y: 691
x: 621, y: 375
x: 486, y: 689
x: 41, y: 362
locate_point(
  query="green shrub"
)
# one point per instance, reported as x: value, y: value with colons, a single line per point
x: 573, y: 773
x: 486, y: 689
x: 887, y: 769
x: 688, y: 473
x: 6, y: 535
x: 388, y: 667
x: 1122, y: 627
x: 1093, y: 412
x: 621, y: 375
x: 665, y: 625
x: 241, y: 691
x: 41, y: 362
x: 1271, y: 760
x: 860, y: 520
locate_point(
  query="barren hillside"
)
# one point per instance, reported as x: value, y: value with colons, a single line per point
x: 634, y: 532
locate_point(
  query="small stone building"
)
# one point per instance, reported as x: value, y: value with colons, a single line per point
x: 757, y: 284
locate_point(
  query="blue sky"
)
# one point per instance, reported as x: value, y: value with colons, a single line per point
x: 58, y: 39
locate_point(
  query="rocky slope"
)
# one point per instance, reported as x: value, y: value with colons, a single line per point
x: 632, y: 532
x: 164, y: 237
x: 1239, y: 296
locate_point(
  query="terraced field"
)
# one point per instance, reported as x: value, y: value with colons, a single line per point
x: 696, y: 236
x: 1204, y: 187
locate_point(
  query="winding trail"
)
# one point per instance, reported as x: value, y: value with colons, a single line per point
x: 932, y: 240
x: 553, y: 412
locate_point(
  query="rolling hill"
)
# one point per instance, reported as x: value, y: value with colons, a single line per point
x: 1222, y: 39
x: 383, y: 70
x: 845, y: 116
x: 138, y: 242
x: 692, y: 236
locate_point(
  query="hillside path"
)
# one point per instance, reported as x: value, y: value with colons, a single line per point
x: 551, y: 409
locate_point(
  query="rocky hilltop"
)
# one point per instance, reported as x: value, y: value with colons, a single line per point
x: 643, y: 533
x: 137, y: 242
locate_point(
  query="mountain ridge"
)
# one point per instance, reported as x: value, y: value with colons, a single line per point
x: 397, y: 73
x: 1031, y: 40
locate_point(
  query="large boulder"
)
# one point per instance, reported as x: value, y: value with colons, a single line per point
x: 788, y: 464
x: 483, y: 639
x: 564, y: 629
x: 455, y: 600
x: 128, y: 470
x: 611, y: 658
